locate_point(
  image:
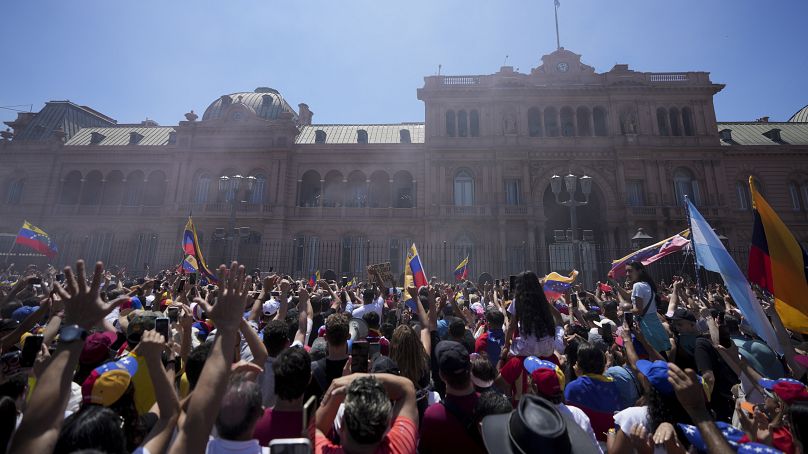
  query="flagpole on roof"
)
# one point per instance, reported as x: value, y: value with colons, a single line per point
x: 693, y: 248
x: 558, y: 39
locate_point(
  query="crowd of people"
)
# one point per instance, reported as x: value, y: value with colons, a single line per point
x: 249, y: 362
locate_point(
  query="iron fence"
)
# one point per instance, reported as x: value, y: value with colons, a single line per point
x: 303, y: 257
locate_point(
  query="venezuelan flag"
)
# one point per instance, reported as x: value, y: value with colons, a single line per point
x: 190, y: 264
x: 650, y: 254
x: 314, y: 278
x: 556, y: 284
x: 36, y: 239
x: 778, y: 263
x: 190, y: 245
x: 414, y: 273
x: 462, y: 270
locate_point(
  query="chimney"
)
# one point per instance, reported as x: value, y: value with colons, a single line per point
x: 304, y: 114
x: 762, y: 120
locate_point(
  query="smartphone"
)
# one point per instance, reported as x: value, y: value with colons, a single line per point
x: 360, y: 351
x: 290, y: 446
x: 629, y: 318
x: 173, y: 314
x: 181, y: 287
x: 162, y: 326
x: 511, y: 282
x: 32, y: 346
x: 344, y: 281
x: 496, y: 282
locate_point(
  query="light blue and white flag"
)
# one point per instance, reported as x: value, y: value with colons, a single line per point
x: 713, y: 256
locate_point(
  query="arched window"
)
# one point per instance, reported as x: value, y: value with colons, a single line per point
x: 474, y: 123
x: 567, y: 122
x: 379, y: 196
x: 71, y: 188
x: 333, y: 190
x: 404, y: 136
x: 534, y: 122
x: 361, y: 136
x: 463, y: 189
x: 550, y: 122
x: 662, y: 122
x: 403, y: 190
x: 259, y: 189
x: 154, y: 193
x: 673, y: 113
x: 599, y: 118
x: 450, y: 123
x: 584, y: 127
x: 687, y: 121
x: 356, y: 191
x: 91, y: 190
x: 794, y: 194
x: 744, y: 197
x: 310, y: 190
x: 462, y: 124
x: 202, y: 189
x: 134, y: 188
x: 14, y: 191
x: 319, y: 136
x: 684, y: 184
x: 113, y: 189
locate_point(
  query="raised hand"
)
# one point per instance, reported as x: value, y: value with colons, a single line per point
x: 83, y: 305
x: 234, y: 292
x: 151, y: 344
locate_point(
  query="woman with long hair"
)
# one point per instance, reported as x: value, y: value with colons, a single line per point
x: 535, y: 328
x: 407, y: 350
x: 643, y: 299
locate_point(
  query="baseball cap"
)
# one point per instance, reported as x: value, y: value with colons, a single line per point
x: 453, y: 358
x: 384, y: 365
x: 787, y: 389
x: 270, y: 307
x: 108, y: 382
x: 22, y: 313
x: 96, y: 347
x: 657, y: 374
x: 546, y: 375
x: 683, y: 314
x: 140, y: 321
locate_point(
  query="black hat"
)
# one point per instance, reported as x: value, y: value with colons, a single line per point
x: 384, y: 365
x: 683, y: 314
x: 535, y: 426
x: 453, y: 357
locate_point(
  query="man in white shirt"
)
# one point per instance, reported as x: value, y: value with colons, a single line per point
x: 370, y: 303
x: 239, y: 413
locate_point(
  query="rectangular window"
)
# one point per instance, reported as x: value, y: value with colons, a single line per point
x: 512, y: 191
x: 635, y: 194
x: 794, y: 192
x: 743, y: 196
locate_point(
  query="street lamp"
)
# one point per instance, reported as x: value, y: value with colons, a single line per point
x: 229, y: 189
x: 640, y: 239
x: 571, y: 185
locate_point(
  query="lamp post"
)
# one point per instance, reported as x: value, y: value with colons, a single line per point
x: 640, y: 239
x: 229, y: 187
x: 571, y: 185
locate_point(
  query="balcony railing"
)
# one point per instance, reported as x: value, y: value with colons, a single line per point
x: 461, y: 80
x: 670, y: 77
x: 643, y: 211
x: 515, y: 210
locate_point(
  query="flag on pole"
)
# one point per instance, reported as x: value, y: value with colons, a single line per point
x: 650, y: 254
x: 777, y: 263
x: 556, y: 284
x: 713, y: 256
x: 414, y: 273
x: 190, y: 265
x: 462, y: 270
x: 190, y: 245
x: 557, y: 3
x: 314, y: 278
x: 36, y: 239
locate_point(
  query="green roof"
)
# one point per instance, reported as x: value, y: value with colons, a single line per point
x: 801, y: 116
x: 377, y: 134
x: 152, y: 135
x: 64, y: 115
x: 752, y: 133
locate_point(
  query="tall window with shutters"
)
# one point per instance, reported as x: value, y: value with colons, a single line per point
x: 463, y: 189
x: 512, y: 191
x: 635, y: 193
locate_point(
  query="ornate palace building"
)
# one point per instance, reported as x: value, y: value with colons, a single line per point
x: 475, y: 175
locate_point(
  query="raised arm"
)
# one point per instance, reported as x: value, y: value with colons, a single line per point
x: 257, y: 348
x: 304, y: 309
x: 151, y: 346
x: 44, y: 416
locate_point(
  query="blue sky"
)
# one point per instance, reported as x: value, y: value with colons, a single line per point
x: 362, y: 61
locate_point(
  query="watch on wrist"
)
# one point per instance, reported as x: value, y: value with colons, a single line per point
x: 72, y: 333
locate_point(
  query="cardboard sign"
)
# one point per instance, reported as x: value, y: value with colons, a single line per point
x: 381, y: 274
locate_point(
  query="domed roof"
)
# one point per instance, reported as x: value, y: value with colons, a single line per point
x: 800, y: 117
x: 266, y: 102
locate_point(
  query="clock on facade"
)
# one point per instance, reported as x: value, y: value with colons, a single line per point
x: 563, y: 67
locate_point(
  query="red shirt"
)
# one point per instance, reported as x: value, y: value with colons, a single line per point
x: 442, y: 433
x: 278, y: 424
x: 400, y: 439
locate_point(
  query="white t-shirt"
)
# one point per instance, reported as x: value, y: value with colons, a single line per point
x: 627, y: 418
x: 376, y: 306
x: 643, y: 291
x: 530, y: 345
x: 221, y: 446
x: 581, y: 419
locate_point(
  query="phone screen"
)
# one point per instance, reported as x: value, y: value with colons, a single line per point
x: 359, y: 356
x: 290, y: 446
x: 173, y: 314
x: 32, y: 346
x: 162, y: 326
x: 629, y: 316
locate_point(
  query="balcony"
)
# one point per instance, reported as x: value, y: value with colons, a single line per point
x: 464, y: 211
x: 514, y: 210
x: 643, y: 211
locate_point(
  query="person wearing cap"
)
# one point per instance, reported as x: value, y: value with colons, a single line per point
x: 683, y: 324
x: 547, y: 381
x: 492, y: 340
x: 535, y: 426
x: 447, y: 426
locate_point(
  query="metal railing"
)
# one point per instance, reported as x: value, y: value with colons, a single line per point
x: 672, y: 77
x: 461, y: 80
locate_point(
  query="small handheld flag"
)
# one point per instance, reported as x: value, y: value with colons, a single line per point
x: 650, y: 254
x: 414, y: 273
x: 462, y: 270
x: 556, y: 284
x: 36, y: 239
x: 190, y: 245
x: 314, y: 278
